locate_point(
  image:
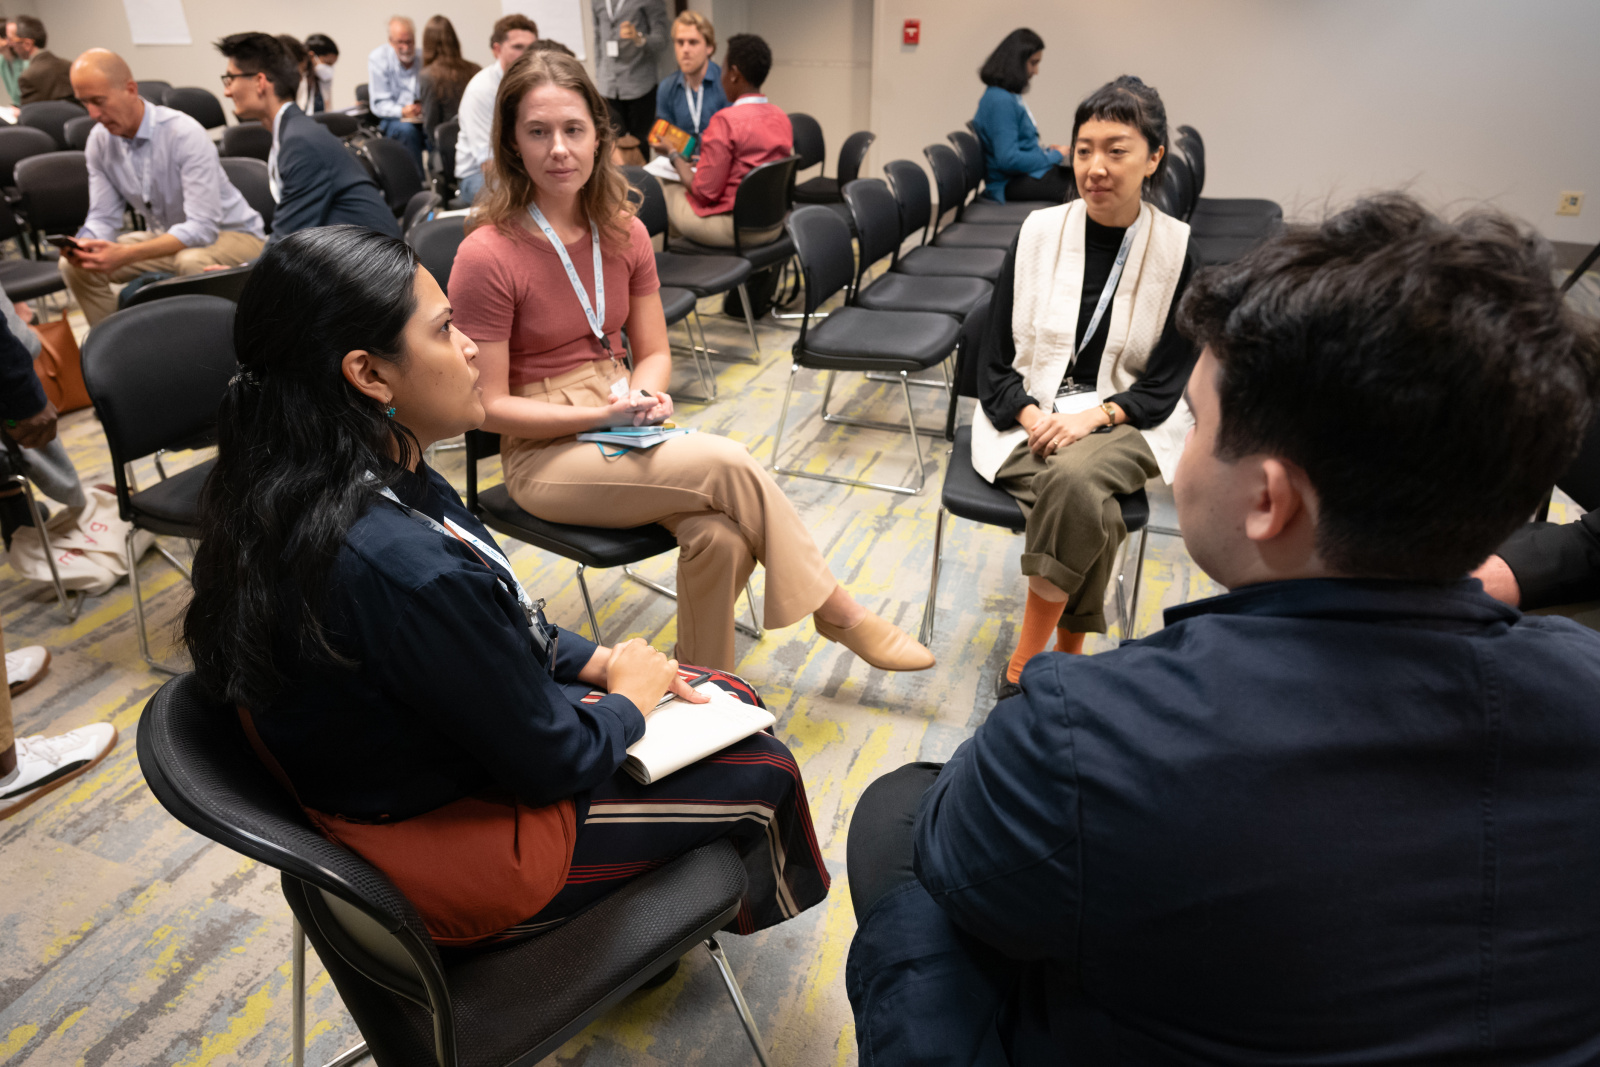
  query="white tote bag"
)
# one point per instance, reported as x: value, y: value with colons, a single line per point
x: 89, y: 546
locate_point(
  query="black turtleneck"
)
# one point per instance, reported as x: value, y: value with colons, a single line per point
x: 1152, y: 397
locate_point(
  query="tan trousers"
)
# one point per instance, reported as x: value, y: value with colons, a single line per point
x: 1074, y: 526
x: 92, y: 288
x: 8, y: 735
x: 725, y: 510
x: 710, y: 230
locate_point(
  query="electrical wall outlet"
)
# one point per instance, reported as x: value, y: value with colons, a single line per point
x: 1570, y: 203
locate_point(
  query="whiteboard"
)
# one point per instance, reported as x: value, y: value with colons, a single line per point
x: 157, y: 21
x: 558, y: 20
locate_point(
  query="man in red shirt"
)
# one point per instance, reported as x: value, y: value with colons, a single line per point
x: 738, y: 139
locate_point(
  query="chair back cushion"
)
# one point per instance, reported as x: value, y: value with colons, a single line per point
x: 653, y: 207
x: 419, y: 207
x: 442, y: 159
x: 436, y: 242
x: 77, y: 130
x: 949, y: 176
x: 199, y: 104
x: 822, y: 240
x: 249, y: 175
x: 852, y: 153
x: 392, y: 164
x: 1193, y: 147
x: 808, y: 142
x: 157, y: 372
x: 251, y: 139
x: 763, y: 197
x: 877, y: 220
x: 153, y: 90
x: 910, y: 185
x: 18, y: 143
x: 341, y: 125
x: 971, y: 152
x: 227, y: 284
x: 52, y: 117
x: 55, y: 190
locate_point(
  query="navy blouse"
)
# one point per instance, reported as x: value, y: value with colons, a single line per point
x: 444, y: 697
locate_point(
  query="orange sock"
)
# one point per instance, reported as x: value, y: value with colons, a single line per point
x: 1069, y: 642
x: 1038, y: 619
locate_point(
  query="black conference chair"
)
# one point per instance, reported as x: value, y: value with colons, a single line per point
x: 1189, y: 142
x: 442, y: 159
x: 702, y: 276
x: 54, y: 192
x: 25, y: 279
x: 154, y: 91
x: 419, y: 208
x: 760, y: 204
x: 414, y: 1006
x: 362, y: 96
x: 1224, y: 230
x: 909, y: 184
x: 878, y: 231
x: 199, y: 104
x: 1173, y: 190
x: 227, y: 284
x: 156, y: 375
x: 76, y: 132
x: 950, y: 178
x: 248, y: 139
x: 966, y: 495
x: 338, y: 123
x: 809, y: 144
x: 52, y: 117
x: 392, y: 165
x: 586, y: 546
x: 855, y: 339
x: 249, y: 176
x: 435, y: 242
x: 18, y: 143
x: 822, y: 190
x: 970, y: 151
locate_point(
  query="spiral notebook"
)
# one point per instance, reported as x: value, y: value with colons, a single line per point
x: 678, y: 733
x: 635, y: 436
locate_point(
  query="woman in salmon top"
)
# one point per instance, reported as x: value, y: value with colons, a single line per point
x: 524, y: 289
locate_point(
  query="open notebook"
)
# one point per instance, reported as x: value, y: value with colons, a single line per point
x: 678, y: 733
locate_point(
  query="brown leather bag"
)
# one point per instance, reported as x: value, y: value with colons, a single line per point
x: 59, y: 366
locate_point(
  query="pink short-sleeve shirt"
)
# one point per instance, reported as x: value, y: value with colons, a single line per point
x: 515, y: 289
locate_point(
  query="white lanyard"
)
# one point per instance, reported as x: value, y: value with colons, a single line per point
x: 1106, y: 293
x: 611, y: 12
x: 695, y: 100
x: 750, y: 100
x: 509, y: 578
x: 597, y: 319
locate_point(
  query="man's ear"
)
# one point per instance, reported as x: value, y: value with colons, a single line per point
x: 367, y: 373
x: 1276, y: 502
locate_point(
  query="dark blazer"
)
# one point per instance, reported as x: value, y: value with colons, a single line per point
x: 1308, y: 822
x: 322, y: 183
x: 21, y: 395
x: 45, y: 78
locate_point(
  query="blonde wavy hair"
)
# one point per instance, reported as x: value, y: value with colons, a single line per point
x: 508, y: 189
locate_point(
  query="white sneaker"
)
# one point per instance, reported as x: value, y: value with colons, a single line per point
x: 26, y: 666
x: 46, y: 762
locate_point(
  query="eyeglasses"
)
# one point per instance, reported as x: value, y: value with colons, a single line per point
x: 227, y: 79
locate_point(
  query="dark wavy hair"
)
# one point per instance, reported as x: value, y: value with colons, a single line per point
x: 295, y: 445
x: 1425, y: 374
x: 1133, y: 103
x: 1007, y: 66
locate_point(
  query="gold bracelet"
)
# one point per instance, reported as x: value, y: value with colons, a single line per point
x: 1111, y: 413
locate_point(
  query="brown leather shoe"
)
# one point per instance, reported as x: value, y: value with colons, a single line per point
x: 879, y: 642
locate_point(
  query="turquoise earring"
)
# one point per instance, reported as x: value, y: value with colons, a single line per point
x: 389, y: 411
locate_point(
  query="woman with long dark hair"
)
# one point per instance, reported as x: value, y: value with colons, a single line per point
x: 1019, y: 167
x: 444, y: 74
x: 1081, y: 386
x: 555, y: 266
x: 382, y: 657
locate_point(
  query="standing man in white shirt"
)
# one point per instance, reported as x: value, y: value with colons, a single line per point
x: 392, y: 91
x: 161, y: 164
x: 512, y: 36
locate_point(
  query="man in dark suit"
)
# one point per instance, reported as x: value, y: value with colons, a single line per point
x: 47, y: 76
x: 315, y: 181
x: 1345, y: 813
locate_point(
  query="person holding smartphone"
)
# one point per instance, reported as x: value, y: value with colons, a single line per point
x: 628, y: 36
x: 160, y: 164
x: 556, y: 265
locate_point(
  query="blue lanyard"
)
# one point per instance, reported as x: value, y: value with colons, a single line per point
x: 597, y: 319
x: 1107, y: 292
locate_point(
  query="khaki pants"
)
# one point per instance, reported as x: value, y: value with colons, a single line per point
x: 725, y: 510
x: 1074, y: 526
x: 710, y: 230
x: 92, y: 288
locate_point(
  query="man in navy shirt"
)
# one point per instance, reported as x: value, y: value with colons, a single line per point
x: 1348, y: 812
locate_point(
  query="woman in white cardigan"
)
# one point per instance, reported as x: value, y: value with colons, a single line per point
x: 1081, y: 385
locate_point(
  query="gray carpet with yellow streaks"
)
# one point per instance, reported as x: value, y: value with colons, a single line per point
x: 130, y: 940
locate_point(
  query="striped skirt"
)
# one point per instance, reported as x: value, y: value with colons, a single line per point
x: 750, y: 793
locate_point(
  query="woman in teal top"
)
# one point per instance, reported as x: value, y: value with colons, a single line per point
x: 1019, y: 167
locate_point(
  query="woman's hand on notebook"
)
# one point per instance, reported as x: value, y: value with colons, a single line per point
x: 640, y: 673
x: 659, y: 410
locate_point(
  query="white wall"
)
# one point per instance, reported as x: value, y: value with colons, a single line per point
x: 1306, y: 102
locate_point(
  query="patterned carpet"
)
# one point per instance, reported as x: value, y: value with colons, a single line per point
x: 131, y: 940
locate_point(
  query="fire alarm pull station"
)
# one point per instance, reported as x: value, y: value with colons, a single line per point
x: 912, y: 34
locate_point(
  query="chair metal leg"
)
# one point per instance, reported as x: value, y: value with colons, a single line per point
x: 138, y: 610
x: 754, y: 630
x: 588, y: 605
x: 911, y: 424
x: 298, y: 1025
x: 874, y: 424
x: 177, y: 563
x: 933, y: 579
x: 69, y: 603
x: 702, y: 356
x: 1128, y: 628
x: 738, y: 1001
x: 783, y: 415
x: 749, y: 317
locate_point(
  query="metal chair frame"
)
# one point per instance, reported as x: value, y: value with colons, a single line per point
x: 72, y: 605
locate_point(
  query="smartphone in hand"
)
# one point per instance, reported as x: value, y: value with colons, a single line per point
x: 64, y: 243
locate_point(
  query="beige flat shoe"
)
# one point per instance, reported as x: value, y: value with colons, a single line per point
x: 879, y: 642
